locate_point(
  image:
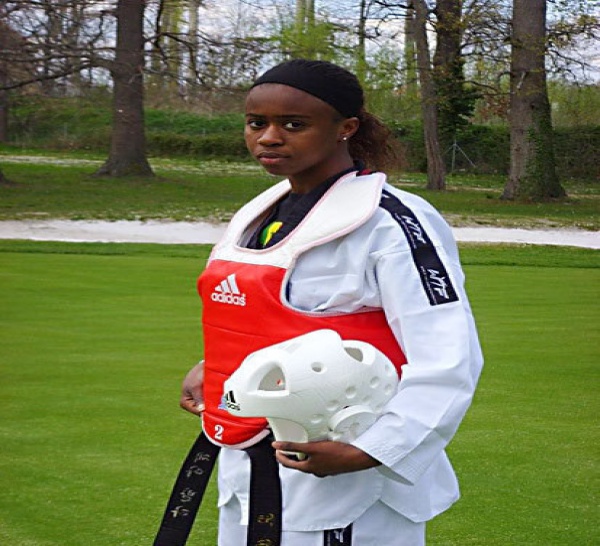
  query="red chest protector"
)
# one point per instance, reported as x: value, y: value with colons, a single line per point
x: 243, y: 308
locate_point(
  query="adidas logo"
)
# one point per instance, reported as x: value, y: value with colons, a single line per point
x: 227, y: 291
x: 228, y: 402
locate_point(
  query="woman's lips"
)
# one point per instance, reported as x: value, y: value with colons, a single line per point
x: 270, y: 158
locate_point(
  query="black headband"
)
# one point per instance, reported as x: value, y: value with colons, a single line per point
x: 326, y: 81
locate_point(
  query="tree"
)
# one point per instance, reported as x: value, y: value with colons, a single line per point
x: 532, y: 164
x: 436, y: 170
x: 306, y: 36
x: 455, y: 100
x: 127, y: 154
x: 193, y: 41
x: 169, y: 45
x: 305, y: 28
x: 361, y: 52
x: 5, y: 37
x: 445, y: 103
x: 62, y: 39
x: 3, y: 180
x: 410, y: 66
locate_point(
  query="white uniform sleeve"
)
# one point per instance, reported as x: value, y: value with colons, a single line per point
x: 444, y: 362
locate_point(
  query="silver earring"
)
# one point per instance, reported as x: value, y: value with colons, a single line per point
x: 345, y: 138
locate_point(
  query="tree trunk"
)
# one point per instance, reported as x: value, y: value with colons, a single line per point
x: 4, y: 109
x: 436, y: 170
x: 4, y: 100
x: 532, y: 164
x: 4, y: 81
x: 194, y: 6
x: 53, y: 35
x: 75, y: 24
x: 361, y: 53
x: 448, y: 32
x: 5, y: 181
x: 299, y: 28
x: 448, y: 71
x: 410, y: 67
x: 304, y: 26
x: 128, y: 142
x: 171, y: 26
x: 300, y: 18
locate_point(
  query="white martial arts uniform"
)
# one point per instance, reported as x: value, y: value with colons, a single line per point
x: 374, y: 267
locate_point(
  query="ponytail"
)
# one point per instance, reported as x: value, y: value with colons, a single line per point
x: 374, y: 144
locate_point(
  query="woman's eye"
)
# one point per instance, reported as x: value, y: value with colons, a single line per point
x: 294, y: 125
x: 255, y: 123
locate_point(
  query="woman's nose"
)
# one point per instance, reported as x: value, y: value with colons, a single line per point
x: 271, y: 136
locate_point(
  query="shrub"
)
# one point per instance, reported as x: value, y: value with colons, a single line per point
x: 576, y: 152
x: 85, y: 124
x: 187, y: 123
x: 410, y: 137
x: 226, y: 145
x: 485, y: 149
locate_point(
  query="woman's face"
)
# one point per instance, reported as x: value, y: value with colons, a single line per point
x: 293, y: 134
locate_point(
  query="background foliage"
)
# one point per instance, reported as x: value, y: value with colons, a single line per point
x: 84, y: 124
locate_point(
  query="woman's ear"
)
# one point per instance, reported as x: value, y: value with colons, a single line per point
x: 348, y: 128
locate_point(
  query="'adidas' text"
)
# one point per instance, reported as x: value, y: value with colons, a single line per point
x: 227, y: 291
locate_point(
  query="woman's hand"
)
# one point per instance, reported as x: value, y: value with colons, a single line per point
x: 324, y: 458
x: 191, y: 390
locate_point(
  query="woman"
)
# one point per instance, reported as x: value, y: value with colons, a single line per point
x: 335, y: 246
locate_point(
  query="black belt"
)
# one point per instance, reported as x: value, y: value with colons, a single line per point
x: 264, y: 521
x: 264, y: 525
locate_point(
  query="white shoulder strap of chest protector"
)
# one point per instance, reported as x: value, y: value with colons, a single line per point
x: 348, y: 204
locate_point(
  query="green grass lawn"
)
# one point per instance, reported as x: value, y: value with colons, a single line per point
x: 62, y: 186
x: 70, y: 191
x: 94, y: 348
x: 96, y: 339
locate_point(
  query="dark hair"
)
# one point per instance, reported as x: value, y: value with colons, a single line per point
x: 373, y: 142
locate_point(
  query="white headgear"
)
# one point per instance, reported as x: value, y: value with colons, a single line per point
x: 313, y: 387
